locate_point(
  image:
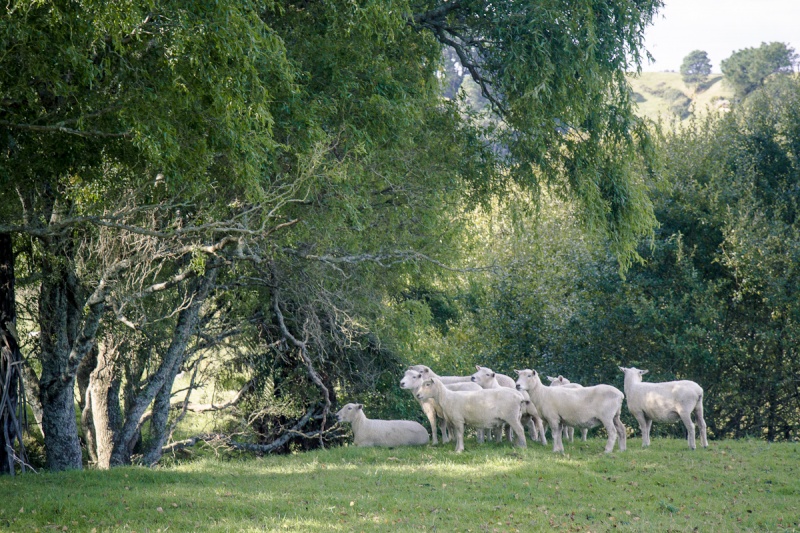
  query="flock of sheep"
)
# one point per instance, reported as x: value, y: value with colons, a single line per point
x: 491, y: 402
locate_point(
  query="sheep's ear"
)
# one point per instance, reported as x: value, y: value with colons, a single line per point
x: 643, y: 372
x: 518, y: 372
x: 359, y: 406
x: 622, y: 368
x: 477, y: 367
x: 551, y: 378
x: 492, y: 374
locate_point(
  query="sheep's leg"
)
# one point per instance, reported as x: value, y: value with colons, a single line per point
x: 519, y: 432
x: 430, y: 412
x: 479, y: 435
x: 458, y: 429
x: 611, y: 429
x: 446, y: 431
x: 584, y: 434
x: 644, y: 426
x: 555, y: 432
x: 621, y: 433
x: 687, y: 421
x: 543, y: 437
x: 701, y: 422
x: 571, y: 433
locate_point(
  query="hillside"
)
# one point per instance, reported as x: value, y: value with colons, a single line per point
x: 664, y: 95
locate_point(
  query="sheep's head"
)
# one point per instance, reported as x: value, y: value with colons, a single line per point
x: 427, y: 389
x: 527, y: 379
x: 411, y: 379
x: 559, y: 381
x: 483, y: 376
x: 348, y: 412
x: 633, y: 374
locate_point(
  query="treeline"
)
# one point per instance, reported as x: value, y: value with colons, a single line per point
x: 715, y: 297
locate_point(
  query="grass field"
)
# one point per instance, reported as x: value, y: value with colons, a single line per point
x: 660, y: 94
x: 747, y: 485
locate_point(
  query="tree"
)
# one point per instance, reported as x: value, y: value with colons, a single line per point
x: 747, y: 69
x: 695, y: 68
x: 184, y: 176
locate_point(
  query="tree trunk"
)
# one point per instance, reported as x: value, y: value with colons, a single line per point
x: 162, y: 379
x: 104, y: 397
x: 60, y: 309
x: 10, y: 365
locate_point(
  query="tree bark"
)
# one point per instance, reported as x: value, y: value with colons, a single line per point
x: 11, y: 447
x: 162, y: 380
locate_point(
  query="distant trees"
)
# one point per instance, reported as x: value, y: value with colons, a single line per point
x: 747, y: 69
x: 695, y: 68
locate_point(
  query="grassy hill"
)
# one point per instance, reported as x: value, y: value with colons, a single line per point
x: 664, y: 95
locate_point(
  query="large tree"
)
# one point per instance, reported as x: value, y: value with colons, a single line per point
x: 747, y: 69
x: 695, y: 68
x: 256, y: 169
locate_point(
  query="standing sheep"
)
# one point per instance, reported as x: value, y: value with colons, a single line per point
x: 569, y: 431
x: 586, y: 407
x: 489, y: 379
x: 368, y: 432
x: 668, y: 401
x: 480, y: 409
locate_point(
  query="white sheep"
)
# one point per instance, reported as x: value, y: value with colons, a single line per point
x: 489, y: 379
x: 531, y: 417
x: 586, y: 407
x: 367, y: 432
x: 569, y: 431
x: 668, y: 401
x: 411, y: 380
x: 427, y: 373
x: 480, y: 409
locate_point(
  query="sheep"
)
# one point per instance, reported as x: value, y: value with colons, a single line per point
x: 489, y: 379
x: 585, y: 407
x: 428, y: 373
x: 484, y: 377
x: 483, y: 408
x: 368, y: 432
x: 668, y: 401
x: 412, y: 379
x: 569, y: 431
x: 531, y: 417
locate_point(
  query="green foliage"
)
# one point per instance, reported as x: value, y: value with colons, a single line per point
x: 695, y: 68
x: 735, y: 485
x: 747, y: 69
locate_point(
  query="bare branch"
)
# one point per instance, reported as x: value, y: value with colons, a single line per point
x: 64, y: 129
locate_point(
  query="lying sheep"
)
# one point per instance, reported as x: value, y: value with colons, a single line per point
x: 569, y: 431
x: 412, y: 379
x: 480, y: 409
x: 668, y: 401
x: 585, y: 407
x: 368, y: 432
x: 489, y: 379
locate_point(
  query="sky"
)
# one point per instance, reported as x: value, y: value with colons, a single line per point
x: 718, y: 27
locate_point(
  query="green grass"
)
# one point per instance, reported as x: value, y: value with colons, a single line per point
x: 656, y: 92
x: 744, y: 485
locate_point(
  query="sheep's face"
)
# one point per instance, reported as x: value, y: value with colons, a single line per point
x: 483, y: 376
x: 426, y: 390
x: 348, y: 412
x: 411, y: 379
x: 527, y: 379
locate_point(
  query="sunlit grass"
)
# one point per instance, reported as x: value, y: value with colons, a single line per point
x: 733, y: 486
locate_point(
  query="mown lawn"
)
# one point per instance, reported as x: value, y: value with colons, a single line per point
x: 746, y: 485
